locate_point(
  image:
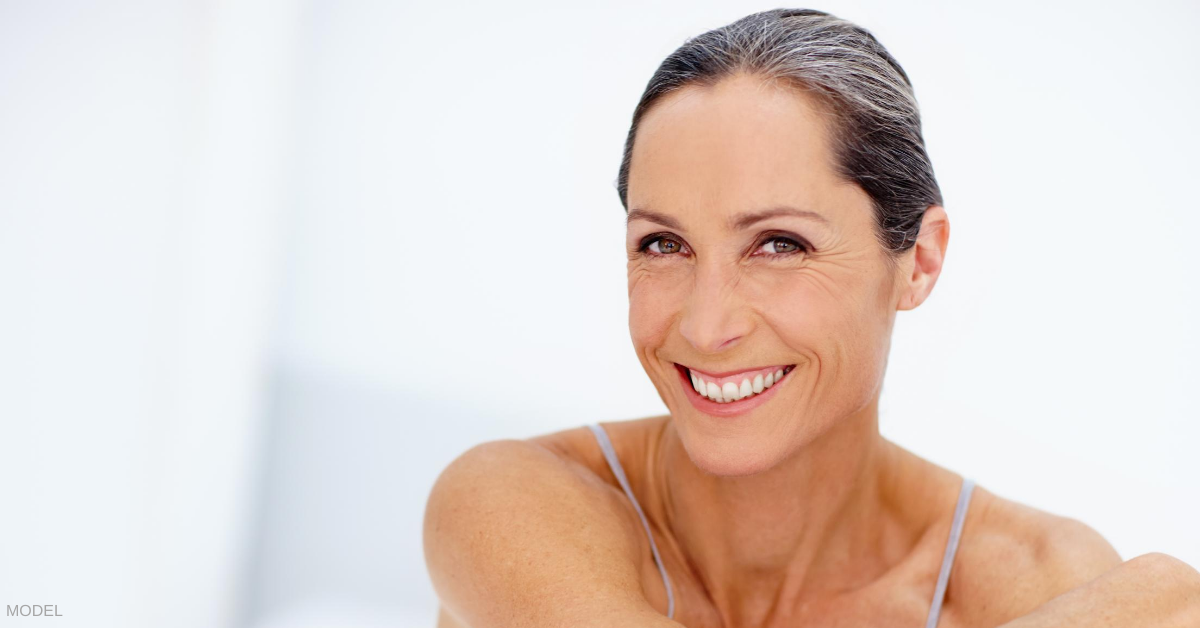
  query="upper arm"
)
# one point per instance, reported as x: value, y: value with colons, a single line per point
x: 1025, y: 559
x: 1073, y: 553
x: 516, y: 536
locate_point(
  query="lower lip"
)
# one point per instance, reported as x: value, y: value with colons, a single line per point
x: 732, y: 408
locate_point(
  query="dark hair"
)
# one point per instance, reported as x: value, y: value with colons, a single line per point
x: 877, y: 127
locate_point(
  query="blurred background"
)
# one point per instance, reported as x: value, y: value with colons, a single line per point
x: 267, y: 267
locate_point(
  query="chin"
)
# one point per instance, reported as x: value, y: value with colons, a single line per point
x: 730, y: 456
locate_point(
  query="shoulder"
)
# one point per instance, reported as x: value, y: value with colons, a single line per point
x: 1013, y: 558
x: 514, y: 480
x: 630, y: 439
x: 508, y: 518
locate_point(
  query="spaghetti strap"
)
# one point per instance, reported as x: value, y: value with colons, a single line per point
x: 615, y: 464
x: 960, y: 514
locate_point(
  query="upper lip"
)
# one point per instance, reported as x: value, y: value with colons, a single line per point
x: 733, y: 372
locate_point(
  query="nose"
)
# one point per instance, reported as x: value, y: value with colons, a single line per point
x: 715, y: 317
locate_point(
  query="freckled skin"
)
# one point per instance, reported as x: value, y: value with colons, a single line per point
x: 701, y: 156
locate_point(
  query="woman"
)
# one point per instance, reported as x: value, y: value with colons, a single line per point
x: 781, y: 209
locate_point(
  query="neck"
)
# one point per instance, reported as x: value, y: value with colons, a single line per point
x: 808, y: 527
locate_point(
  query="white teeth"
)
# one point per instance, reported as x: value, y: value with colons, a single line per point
x: 731, y: 391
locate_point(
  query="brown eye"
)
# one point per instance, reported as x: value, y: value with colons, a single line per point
x: 663, y: 246
x: 781, y: 246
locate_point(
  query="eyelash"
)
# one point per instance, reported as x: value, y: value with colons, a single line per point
x: 654, y: 237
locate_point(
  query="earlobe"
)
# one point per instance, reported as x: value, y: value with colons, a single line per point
x: 928, y: 255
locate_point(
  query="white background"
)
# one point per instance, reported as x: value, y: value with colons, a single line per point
x: 267, y: 267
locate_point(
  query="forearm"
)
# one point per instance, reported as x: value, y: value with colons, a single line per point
x: 1150, y: 590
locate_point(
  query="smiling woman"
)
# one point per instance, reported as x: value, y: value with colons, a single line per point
x: 781, y: 209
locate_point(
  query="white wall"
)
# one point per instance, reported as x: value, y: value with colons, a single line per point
x: 456, y: 262
x: 266, y: 267
x: 141, y: 157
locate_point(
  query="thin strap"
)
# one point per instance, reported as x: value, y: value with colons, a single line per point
x: 960, y: 514
x: 611, y: 455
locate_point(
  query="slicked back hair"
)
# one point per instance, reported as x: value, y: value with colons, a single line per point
x: 876, y: 125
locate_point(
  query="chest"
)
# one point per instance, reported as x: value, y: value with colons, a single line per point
x: 899, y: 600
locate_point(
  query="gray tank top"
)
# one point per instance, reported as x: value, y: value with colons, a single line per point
x: 935, y: 609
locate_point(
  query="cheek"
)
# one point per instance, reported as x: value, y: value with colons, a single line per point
x: 808, y: 308
x: 832, y: 318
x: 655, y: 297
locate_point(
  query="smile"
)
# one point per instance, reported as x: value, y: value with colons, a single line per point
x: 731, y: 393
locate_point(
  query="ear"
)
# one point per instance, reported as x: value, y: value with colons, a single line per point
x: 927, y: 256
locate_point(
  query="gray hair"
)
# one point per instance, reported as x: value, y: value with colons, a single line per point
x: 877, y: 126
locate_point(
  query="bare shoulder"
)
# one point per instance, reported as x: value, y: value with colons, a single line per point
x: 518, y: 534
x: 630, y: 438
x: 1013, y: 558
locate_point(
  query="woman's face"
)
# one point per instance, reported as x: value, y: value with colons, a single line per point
x: 748, y: 254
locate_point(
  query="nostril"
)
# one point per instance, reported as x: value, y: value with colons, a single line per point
x: 713, y: 325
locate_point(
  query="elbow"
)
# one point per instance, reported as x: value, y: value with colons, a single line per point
x: 1177, y: 585
x: 1165, y: 568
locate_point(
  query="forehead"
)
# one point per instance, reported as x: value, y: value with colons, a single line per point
x: 741, y: 143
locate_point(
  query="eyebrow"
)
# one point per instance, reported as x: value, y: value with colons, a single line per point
x: 738, y: 222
